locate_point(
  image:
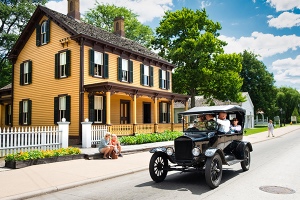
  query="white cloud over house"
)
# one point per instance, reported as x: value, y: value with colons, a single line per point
x: 283, y: 5
x: 285, y: 20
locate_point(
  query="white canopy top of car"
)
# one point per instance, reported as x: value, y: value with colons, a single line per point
x: 214, y: 109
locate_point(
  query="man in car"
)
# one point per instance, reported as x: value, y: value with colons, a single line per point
x: 224, y: 124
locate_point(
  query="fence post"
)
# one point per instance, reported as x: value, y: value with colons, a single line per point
x: 86, y: 134
x: 64, y: 127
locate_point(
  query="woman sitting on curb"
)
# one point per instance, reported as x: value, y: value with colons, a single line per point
x: 117, y: 146
x: 105, y: 146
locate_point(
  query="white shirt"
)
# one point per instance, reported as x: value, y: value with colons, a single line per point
x: 224, y: 125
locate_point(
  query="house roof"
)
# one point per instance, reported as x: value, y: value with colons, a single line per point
x: 78, y: 29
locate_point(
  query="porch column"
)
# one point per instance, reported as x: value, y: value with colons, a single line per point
x: 108, y: 122
x: 155, y: 115
x: 134, y: 114
x: 172, y: 115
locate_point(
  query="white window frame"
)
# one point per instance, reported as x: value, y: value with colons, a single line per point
x: 62, y: 107
x: 62, y: 64
x: 125, y: 67
x: 164, y: 111
x: 146, y: 78
x: 98, y: 64
x: 26, y: 73
x: 98, y: 109
x: 163, y: 79
x: 44, y: 33
x: 25, y: 112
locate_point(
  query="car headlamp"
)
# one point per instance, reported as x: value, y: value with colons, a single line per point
x: 170, y: 151
x: 196, y: 151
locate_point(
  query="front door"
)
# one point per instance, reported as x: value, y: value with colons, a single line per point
x: 147, y: 113
x: 125, y: 112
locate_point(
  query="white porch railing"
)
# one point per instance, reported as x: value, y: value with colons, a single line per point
x: 14, y: 140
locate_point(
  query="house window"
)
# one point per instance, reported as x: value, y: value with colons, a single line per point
x: 62, y: 108
x: 98, y: 64
x: 25, y: 73
x: 25, y: 112
x: 125, y: 70
x: 164, y: 79
x: 164, y: 112
x: 8, y: 114
x: 146, y: 75
x: 98, y: 68
x: 62, y: 64
x: 98, y: 109
x: 43, y: 33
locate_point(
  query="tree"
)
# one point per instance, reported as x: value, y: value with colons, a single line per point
x: 259, y: 83
x: 102, y: 16
x: 14, y: 15
x: 189, y: 40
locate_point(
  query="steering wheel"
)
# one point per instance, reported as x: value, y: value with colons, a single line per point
x: 211, y: 125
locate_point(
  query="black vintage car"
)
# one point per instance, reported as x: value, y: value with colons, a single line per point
x: 203, y: 147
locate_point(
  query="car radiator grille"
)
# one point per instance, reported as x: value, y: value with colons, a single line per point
x: 183, y: 149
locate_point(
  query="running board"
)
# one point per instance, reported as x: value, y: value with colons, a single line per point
x: 232, y: 162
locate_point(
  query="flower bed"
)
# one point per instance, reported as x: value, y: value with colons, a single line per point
x: 36, y: 157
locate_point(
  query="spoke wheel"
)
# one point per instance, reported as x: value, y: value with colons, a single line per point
x: 157, y: 164
x: 245, y: 164
x: 213, y: 171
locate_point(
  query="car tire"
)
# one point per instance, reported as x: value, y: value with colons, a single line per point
x: 158, y: 163
x: 245, y: 164
x: 213, y: 171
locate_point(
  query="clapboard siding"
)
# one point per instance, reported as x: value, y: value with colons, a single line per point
x: 44, y: 86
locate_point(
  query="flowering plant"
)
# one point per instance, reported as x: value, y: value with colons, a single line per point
x: 38, y: 154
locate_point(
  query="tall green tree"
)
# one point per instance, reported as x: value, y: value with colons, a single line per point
x: 14, y: 15
x: 259, y: 83
x: 189, y: 39
x: 102, y: 16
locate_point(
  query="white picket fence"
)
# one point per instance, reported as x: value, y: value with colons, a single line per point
x: 13, y: 140
x: 97, y: 133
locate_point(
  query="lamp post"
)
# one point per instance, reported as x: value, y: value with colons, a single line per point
x: 280, y: 116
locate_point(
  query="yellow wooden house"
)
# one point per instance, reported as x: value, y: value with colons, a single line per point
x: 65, y: 68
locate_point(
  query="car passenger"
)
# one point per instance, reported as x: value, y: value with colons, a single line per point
x: 224, y: 124
x: 235, y: 128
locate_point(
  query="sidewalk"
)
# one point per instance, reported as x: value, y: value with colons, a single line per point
x: 38, y: 179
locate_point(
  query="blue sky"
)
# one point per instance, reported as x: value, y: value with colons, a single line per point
x: 269, y: 28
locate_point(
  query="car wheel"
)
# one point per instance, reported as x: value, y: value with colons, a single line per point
x: 158, y: 163
x: 213, y: 171
x: 246, y: 162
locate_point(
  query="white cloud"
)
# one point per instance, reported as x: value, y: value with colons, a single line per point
x: 285, y: 20
x: 146, y: 9
x: 265, y: 45
x: 205, y: 4
x: 287, y: 70
x: 282, y: 5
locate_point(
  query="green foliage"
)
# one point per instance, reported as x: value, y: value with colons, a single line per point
x: 38, y: 154
x: 102, y: 16
x: 190, y: 40
x: 150, y: 138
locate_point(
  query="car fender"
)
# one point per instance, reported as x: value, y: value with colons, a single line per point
x: 158, y: 149
x: 241, y: 147
x: 212, y: 151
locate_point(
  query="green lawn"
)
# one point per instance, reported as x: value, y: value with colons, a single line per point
x: 258, y: 129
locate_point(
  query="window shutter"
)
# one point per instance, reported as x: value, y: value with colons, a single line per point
x: 29, y: 112
x: 160, y: 78
x: 30, y: 72
x: 104, y: 110
x: 151, y: 77
x: 6, y: 115
x: 56, y: 109
x: 168, y: 80
x: 38, y: 35
x: 91, y: 109
x: 57, y: 66
x: 68, y: 63
x: 160, y: 112
x: 168, y: 113
x: 20, y: 113
x: 105, y: 66
x: 48, y: 31
x: 22, y: 74
x: 119, y: 69
x: 142, y: 73
x: 68, y: 108
x: 92, y: 62
x: 130, y: 62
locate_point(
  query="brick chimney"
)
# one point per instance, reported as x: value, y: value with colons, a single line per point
x: 73, y: 9
x: 119, y: 26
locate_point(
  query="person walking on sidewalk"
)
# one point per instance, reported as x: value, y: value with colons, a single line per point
x: 270, y: 128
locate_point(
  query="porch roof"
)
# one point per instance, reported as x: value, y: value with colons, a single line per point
x: 131, y: 90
